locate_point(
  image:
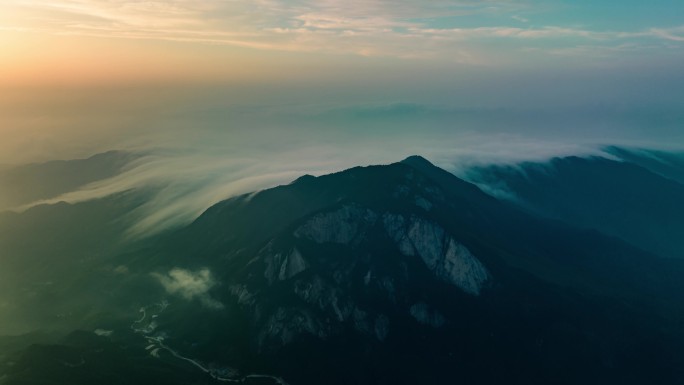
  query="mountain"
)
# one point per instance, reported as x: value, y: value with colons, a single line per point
x: 373, y: 270
x: 58, y: 261
x: 55, y: 259
x: 393, y: 274
x: 24, y: 184
x: 619, y: 198
x: 667, y: 164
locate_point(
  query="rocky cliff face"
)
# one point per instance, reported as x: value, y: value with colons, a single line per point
x: 284, y: 266
x: 442, y: 254
x: 341, y: 226
x: 325, y: 301
x: 413, y: 236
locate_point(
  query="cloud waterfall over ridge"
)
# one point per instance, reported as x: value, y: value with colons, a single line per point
x: 239, y: 150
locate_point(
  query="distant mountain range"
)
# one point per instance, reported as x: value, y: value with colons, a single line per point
x: 639, y: 197
x: 566, y: 272
x: 29, y: 183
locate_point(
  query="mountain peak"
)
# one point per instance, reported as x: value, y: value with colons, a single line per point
x: 304, y: 178
x: 417, y: 161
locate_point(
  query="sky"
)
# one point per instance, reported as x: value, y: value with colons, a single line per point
x: 77, y: 42
x: 243, y: 94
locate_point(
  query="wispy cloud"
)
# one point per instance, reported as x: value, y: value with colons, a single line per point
x: 382, y: 28
x: 186, y: 170
x: 520, y: 19
x: 673, y: 34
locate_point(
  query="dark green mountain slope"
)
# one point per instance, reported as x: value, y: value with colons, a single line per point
x: 58, y: 263
x: 28, y: 183
x: 667, y: 164
x: 620, y: 199
x: 406, y: 274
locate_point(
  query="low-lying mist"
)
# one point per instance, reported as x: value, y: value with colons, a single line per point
x: 196, y: 150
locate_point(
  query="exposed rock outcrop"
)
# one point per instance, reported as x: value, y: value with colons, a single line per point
x: 292, y: 265
x: 284, y: 266
x: 341, y: 226
x: 448, y: 259
x: 442, y: 254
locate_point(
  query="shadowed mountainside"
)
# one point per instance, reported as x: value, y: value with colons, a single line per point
x: 394, y: 274
x: 29, y: 183
x: 618, y: 198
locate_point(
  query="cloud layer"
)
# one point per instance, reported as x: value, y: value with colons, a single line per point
x: 205, y: 156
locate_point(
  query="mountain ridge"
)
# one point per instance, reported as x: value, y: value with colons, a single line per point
x: 617, y: 198
x: 390, y: 274
x: 392, y: 232
x: 23, y: 184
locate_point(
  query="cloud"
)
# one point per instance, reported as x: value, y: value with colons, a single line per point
x: 378, y: 28
x: 203, y: 145
x: 673, y: 34
x: 190, y: 285
x: 186, y: 170
x: 182, y: 185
